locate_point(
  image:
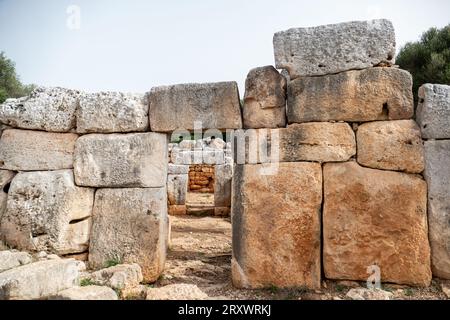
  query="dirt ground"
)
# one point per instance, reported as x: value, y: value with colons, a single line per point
x: 200, y: 254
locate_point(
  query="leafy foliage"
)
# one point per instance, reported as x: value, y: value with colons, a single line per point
x: 428, y: 60
x: 10, y: 85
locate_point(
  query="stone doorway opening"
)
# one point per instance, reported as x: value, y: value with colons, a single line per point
x: 200, y: 193
x: 199, y: 198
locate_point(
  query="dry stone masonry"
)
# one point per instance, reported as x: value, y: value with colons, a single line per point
x: 323, y: 166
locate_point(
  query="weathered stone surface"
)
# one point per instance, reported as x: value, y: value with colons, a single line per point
x: 13, y: 259
x: 180, y: 291
x: 437, y: 175
x: 177, y: 210
x: 177, y: 187
x: 5, y: 180
x: 433, y: 111
x: 369, y: 294
x: 334, y: 48
x: 47, y: 212
x: 107, y: 112
x: 222, y: 211
x: 366, y: 95
x: 119, y: 277
x: 121, y: 160
x: 391, y: 145
x: 315, y: 141
x: 322, y: 142
x: 264, y: 99
x: 177, y: 169
x: 223, y: 176
x: 130, y: 225
x: 86, y: 293
x: 39, y: 280
x: 48, y: 109
x: 276, y: 226
x: 27, y: 150
x: 375, y: 217
x: 216, y: 105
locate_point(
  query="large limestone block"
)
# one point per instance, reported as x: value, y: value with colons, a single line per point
x: 177, y: 188
x: 433, y: 111
x: 107, y: 112
x: 315, y: 141
x: 27, y: 150
x: 391, y: 145
x: 86, y: 293
x: 276, y: 226
x: 177, y: 169
x: 5, y: 182
x: 130, y: 225
x: 46, y: 212
x: 121, y: 160
x: 321, y: 142
x: 178, y: 291
x: 375, y: 217
x: 39, y: 280
x: 216, y: 105
x: 48, y: 109
x: 366, y: 95
x: 264, y: 99
x: 334, y: 48
x: 13, y: 259
x: 437, y: 175
x: 223, y: 176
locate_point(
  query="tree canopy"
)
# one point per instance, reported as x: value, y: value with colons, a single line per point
x: 428, y: 60
x: 10, y: 85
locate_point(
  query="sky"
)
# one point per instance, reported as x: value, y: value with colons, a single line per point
x: 133, y: 45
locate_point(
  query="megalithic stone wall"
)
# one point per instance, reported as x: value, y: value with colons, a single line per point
x: 350, y: 158
x: 433, y: 115
x: 95, y: 144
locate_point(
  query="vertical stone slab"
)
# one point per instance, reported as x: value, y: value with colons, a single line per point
x: 223, y: 176
x: 276, y: 226
x: 130, y: 225
x: 177, y: 187
x: 375, y: 217
x: 264, y: 99
x: 437, y: 175
x: 433, y: 111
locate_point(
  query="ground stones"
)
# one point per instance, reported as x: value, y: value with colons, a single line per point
x: 391, y: 145
x: 373, y: 217
x: 366, y: 95
x: 48, y: 109
x: 264, y: 99
x: 86, y: 293
x: 39, y: 280
x: 130, y: 225
x: 27, y: 150
x: 433, y: 111
x: 276, y: 226
x: 47, y: 212
x: 13, y: 259
x: 334, y: 48
x: 215, y: 105
x: 437, y: 175
x: 107, y: 112
x: 121, y: 160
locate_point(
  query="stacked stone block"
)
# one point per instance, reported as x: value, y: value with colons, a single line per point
x: 91, y: 178
x: 350, y: 148
x: 433, y: 115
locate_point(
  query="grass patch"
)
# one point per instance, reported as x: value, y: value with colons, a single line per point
x: 86, y: 282
x: 409, y: 292
x: 112, y: 262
